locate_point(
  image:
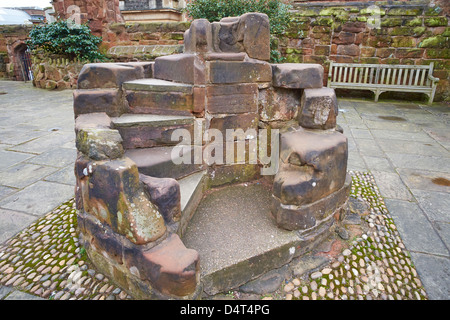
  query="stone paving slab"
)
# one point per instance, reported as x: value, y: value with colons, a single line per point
x: 413, y: 147
x: 37, y: 151
x: 61, y: 157
x: 11, y: 222
x: 415, y: 228
x: 425, y: 180
x: 435, y: 204
x: 9, y: 158
x: 22, y: 174
x: 420, y: 162
x: 435, y: 274
x: 38, y: 198
x: 391, y: 185
x: 44, y: 143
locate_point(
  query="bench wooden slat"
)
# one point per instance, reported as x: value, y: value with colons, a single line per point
x: 377, y: 75
x: 383, y: 71
x: 399, y: 80
x: 394, y: 74
x: 416, y: 80
x: 422, y: 79
x: 411, y: 76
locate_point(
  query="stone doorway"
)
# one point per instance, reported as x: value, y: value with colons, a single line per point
x: 22, y: 66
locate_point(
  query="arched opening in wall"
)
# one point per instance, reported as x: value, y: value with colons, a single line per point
x: 22, y: 69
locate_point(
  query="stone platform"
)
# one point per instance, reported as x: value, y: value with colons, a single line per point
x: 238, y: 239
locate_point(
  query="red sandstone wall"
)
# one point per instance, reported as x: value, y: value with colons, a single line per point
x: 96, y: 12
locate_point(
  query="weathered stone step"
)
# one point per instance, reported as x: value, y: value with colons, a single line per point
x: 157, y: 85
x: 158, y: 161
x: 192, y: 188
x: 237, y: 240
x: 149, y: 130
x: 155, y: 96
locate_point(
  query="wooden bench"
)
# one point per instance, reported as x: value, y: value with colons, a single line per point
x: 380, y: 78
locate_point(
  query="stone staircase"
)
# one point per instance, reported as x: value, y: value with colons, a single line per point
x: 156, y: 109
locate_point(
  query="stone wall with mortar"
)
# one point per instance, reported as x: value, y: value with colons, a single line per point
x: 412, y: 32
x: 56, y: 73
x: 143, y: 40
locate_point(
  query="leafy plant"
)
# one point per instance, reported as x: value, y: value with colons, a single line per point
x: 65, y: 38
x: 214, y: 10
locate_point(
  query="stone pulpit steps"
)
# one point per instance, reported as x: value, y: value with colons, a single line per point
x: 125, y: 116
x: 157, y: 108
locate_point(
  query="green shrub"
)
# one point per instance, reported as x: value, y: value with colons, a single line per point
x: 64, y: 38
x: 214, y: 10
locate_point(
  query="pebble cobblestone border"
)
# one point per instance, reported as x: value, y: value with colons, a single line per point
x: 46, y: 260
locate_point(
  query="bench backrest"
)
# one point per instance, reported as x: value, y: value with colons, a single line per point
x: 381, y: 74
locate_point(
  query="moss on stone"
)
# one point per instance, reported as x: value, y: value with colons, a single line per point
x: 403, y: 42
x: 436, y: 22
x: 323, y: 22
x: 418, y: 31
x: 293, y: 50
x: 435, y: 42
x: 294, y: 58
x: 391, y: 61
x: 400, y: 31
x: 433, y: 11
x: 404, y: 12
x: 306, y: 13
x: 438, y: 53
x: 391, y: 22
x: 333, y: 11
x: 446, y: 33
x: 416, y: 22
x: 177, y: 36
x: 370, y: 60
x: 373, y: 11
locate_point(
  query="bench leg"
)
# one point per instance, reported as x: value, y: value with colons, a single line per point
x: 431, y: 96
x: 377, y: 95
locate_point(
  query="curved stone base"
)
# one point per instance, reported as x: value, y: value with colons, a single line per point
x: 163, y: 270
x: 308, y: 217
x: 238, y: 239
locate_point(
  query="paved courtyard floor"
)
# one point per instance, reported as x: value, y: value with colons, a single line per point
x: 405, y: 146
